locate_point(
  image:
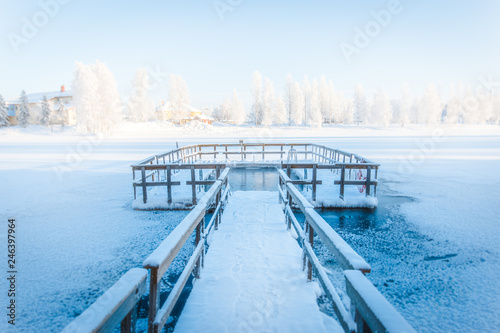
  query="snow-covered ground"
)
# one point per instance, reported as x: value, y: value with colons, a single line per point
x: 71, y: 196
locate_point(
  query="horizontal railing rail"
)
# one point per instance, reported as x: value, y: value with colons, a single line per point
x: 371, y: 309
x: 118, y: 305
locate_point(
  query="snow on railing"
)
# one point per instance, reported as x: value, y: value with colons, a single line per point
x: 157, y: 170
x: 118, y: 305
x: 371, y: 309
x: 161, y: 258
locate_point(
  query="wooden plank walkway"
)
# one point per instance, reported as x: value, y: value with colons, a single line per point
x: 253, y: 279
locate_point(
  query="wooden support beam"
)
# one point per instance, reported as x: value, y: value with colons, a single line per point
x: 311, y: 241
x: 169, y: 185
x: 193, y: 185
x: 368, y: 180
x: 314, y: 177
x: 144, y: 188
x: 342, y: 182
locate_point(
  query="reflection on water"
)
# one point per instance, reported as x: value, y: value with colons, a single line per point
x: 253, y: 179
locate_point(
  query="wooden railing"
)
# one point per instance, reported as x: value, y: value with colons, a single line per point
x: 118, y: 304
x: 372, y: 311
x: 159, y: 261
x: 157, y: 170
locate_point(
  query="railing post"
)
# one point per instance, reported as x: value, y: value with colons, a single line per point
x: 196, y: 241
x: 193, y: 185
x: 368, y: 179
x: 133, y: 182
x: 157, y: 170
x: 164, y: 170
x: 154, y: 298
x: 152, y: 173
x: 342, y: 181
x: 128, y: 323
x: 304, y: 255
x: 144, y: 188
x: 218, y: 198
x: 350, y: 161
x: 215, y: 152
x: 375, y: 186
x: 314, y: 183
x: 311, y: 241
x: 169, y: 184
x: 263, y: 155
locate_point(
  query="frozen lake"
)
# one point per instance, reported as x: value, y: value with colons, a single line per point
x: 434, y: 256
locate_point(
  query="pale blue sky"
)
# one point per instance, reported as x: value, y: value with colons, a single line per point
x: 439, y: 41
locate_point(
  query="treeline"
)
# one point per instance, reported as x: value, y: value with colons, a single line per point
x: 317, y: 102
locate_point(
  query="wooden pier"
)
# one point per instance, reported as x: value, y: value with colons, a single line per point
x: 297, y: 158
x: 366, y: 311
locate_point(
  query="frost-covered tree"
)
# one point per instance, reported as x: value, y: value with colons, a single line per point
x: 405, y: 104
x: 307, y: 93
x: 140, y: 105
x: 348, y: 114
x: 288, y: 97
x: 45, y: 112
x: 225, y: 110
x: 360, y: 105
x: 496, y: 109
x: 431, y: 105
x: 381, y: 108
x: 109, y: 98
x: 4, y: 116
x: 257, y: 108
x: 237, y: 109
x: 85, y: 90
x: 324, y: 98
x: 281, y: 116
x: 178, y: 96
x: 96, y: 98
x: 24, y: 111
x: 336, y: 104
x: 61, y: 111
x: 453, y: 107
x: 297, y: 105
x: 415, y: 113
x: 268, y: 102
x: 314, y: 116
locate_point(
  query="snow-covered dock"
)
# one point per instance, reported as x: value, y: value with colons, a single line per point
x: 253, y: 279
x: 328, y: 178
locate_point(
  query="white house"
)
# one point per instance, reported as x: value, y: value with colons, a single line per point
x: 55, y: 99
